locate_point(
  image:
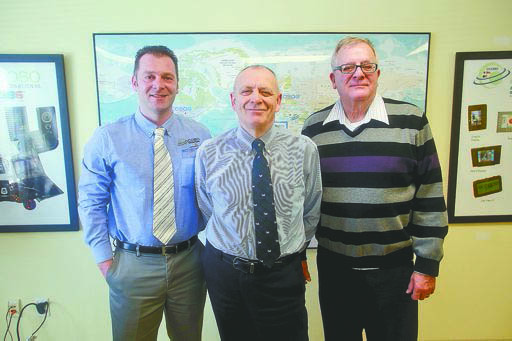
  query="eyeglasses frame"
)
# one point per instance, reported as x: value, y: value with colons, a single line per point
x: 357, y: 66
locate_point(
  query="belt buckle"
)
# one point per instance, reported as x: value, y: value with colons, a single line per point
x: 242, y: 261
x: 170, y: 249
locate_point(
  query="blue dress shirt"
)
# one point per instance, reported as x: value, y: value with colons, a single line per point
x: 116, y: 184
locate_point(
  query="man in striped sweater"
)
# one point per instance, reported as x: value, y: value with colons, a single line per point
x: 383, y: 211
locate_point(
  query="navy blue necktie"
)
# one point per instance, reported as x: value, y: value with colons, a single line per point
x: 265, y: 224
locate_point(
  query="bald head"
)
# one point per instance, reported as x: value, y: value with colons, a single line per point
x: 255, y: 67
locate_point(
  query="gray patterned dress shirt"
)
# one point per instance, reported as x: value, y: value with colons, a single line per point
x: 223, y: 185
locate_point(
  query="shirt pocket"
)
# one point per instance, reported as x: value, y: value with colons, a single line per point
x: 187, y: 167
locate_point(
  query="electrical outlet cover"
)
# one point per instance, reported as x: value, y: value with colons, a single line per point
x: 16, y: 303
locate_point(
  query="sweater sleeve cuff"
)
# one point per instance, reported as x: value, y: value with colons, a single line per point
x: 426, y: 266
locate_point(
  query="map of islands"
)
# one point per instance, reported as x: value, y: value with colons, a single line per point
x: 209, y: 62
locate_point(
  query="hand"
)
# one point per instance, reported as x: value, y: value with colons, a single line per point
x: 104, y: 266
x: 305, y: 271
x: 421, y: 286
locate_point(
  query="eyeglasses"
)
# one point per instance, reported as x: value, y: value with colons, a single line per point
x: 351, y: 68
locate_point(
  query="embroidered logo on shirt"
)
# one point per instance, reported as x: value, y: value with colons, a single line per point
x: 193, y: 141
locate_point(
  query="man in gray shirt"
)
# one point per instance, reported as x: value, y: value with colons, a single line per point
x: 259, y: 188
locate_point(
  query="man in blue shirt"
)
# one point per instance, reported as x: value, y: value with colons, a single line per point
x: 147, y: 274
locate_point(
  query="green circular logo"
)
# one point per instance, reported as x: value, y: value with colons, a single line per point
x: 491, y: 74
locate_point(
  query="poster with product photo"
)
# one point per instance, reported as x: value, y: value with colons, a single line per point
x: 37, y: 189
x: 480, y: 176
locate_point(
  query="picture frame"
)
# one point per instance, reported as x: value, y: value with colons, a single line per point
x: 488, y: 186
x: 504, y: 124
x: 486, y: 156
x: 37, y: 186
x: 480, y: 173
x: 477, y: 117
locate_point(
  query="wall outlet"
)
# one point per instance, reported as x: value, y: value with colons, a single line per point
x: 14, y: 307
x: 40, y: 307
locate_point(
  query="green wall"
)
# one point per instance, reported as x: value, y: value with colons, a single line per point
x: 473, y: 300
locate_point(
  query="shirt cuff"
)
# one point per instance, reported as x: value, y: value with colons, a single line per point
x: 102, y: 252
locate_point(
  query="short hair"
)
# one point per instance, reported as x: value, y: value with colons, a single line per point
x: 256, y: 66
x: 155, y: 50
x: 347, y: 41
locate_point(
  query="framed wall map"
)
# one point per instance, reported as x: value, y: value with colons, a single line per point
x: 209, y: 62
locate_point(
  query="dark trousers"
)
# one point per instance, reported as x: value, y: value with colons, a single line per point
x: 268, y: 304
x: 373, y: 300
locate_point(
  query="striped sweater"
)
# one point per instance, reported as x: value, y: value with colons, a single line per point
x: 382, y: 190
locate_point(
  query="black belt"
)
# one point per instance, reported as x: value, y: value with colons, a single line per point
x: 163, y: 250
x: 250, y: 266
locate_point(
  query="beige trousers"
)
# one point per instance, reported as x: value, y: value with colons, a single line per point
x: 144, y: 287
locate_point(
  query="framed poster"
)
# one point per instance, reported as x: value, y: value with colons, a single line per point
x: 480, y: 175
x: 37, y: 187
x: 209, y: 62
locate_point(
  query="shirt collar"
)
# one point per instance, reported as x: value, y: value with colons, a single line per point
x: 149, y: 127
x: 376, y: 111
x: 246, y: 139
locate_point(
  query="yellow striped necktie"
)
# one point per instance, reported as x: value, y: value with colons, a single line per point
x: 164, y: 220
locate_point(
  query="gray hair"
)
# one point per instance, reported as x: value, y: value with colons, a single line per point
x: 347, y: 41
